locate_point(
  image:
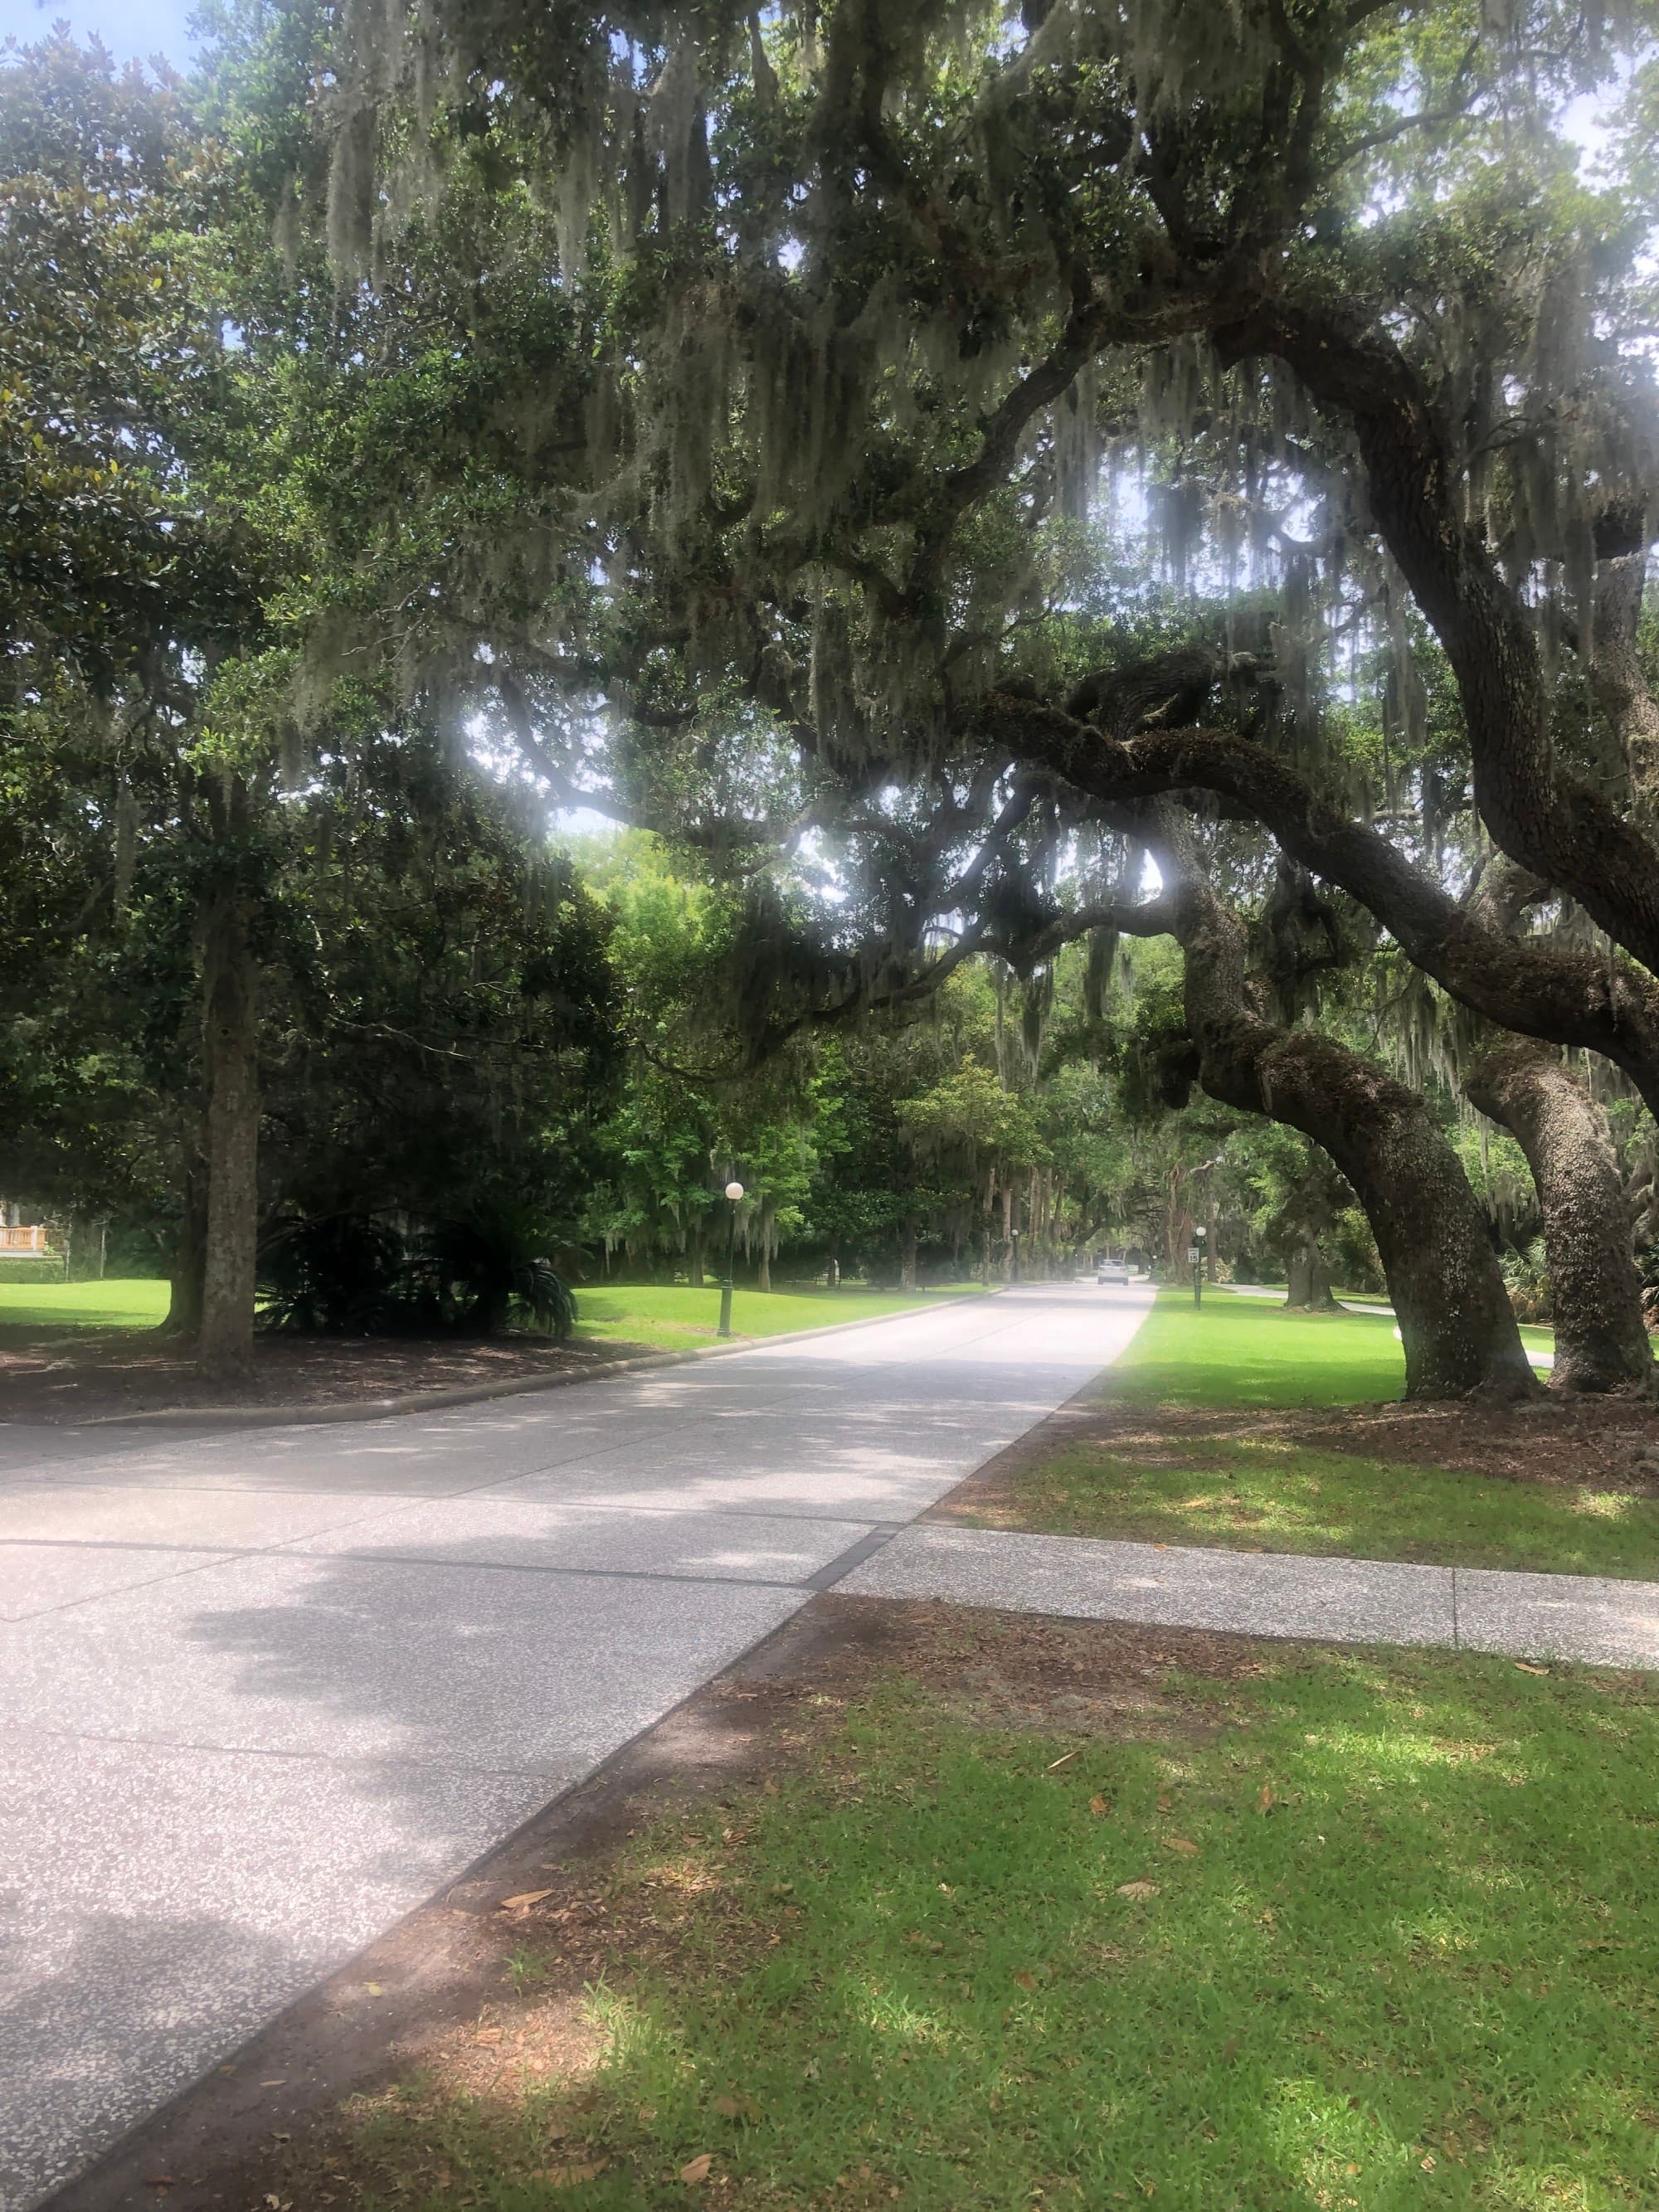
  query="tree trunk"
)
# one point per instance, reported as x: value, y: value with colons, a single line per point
x: 694, y: 1243
x: 183, y: 1316
x: 1456, y: 1320
x: 1311, y: 1278
x: 230, y: 1039
x: 763, y: 1267
x: 1600, y: 1339
x: 908, y: 1258
x: 1007, y: 1231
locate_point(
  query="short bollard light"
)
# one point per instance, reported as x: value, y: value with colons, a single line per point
x: 733, y: 1193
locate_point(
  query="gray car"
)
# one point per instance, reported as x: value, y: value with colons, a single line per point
x: 1111, y: 1271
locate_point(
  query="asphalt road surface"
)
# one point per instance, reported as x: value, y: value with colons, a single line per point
x: 262, y: 1693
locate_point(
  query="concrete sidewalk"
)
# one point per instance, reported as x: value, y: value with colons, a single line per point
x: 1610, y: 1624
x: 262, y: 1693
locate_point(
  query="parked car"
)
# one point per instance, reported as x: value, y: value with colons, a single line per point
x: 1111, y: 1271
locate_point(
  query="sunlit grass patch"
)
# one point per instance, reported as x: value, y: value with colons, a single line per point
x: 1247, y: 1351
x: 1368, y: 1930
x: 1247, y: 1485
x: 134, y: 1302
x: 1270, y: 1495
x: 677, y: 1318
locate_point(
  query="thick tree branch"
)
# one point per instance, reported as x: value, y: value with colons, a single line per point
x: 1455, y: 1315
x: 1525, y: 984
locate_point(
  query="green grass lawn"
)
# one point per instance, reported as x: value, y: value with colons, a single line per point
x: 1536, y: 1336
x: 1369, y: 1933
x: 1246, y: 1352
x: 121, y: 1302
x: 671, y: 1317
x: 1265, y: 1493
x: 676, y: 1317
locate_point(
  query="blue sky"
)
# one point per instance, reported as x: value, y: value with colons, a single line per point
x: 129, y: 28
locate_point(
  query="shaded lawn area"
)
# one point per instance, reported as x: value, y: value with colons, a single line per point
x: 1268, y: 1495
x: 674, y: 1317
x: 133, y: 1302
x: 1258, y: 1487
x: 1043, y: 1918
x: 76, y: 1352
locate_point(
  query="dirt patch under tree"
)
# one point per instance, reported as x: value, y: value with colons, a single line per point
x: 69, y: 1375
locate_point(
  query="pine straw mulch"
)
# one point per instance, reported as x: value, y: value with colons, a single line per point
x: 66, y: 1375
x: 1588, y: 1443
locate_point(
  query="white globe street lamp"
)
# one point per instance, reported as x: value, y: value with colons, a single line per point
x: 733, y: 1193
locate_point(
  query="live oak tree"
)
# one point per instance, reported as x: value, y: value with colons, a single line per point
x: 744, y: 415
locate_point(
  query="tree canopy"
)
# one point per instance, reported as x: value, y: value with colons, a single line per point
x: 974, y: 481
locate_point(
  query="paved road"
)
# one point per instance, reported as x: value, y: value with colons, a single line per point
x: 263, y: 1693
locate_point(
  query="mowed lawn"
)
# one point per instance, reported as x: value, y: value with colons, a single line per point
x: 1367, y: 1932
x: 1264, y: 1492
x: 675, y: 1317
x: 122, y: 1303
x: 669, y: 1316
x: 1237, y: 1350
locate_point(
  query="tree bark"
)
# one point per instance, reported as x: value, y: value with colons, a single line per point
x: 1310, y: 1287
x: 230, y: 1039
x: 1455, y: 1320
x: 694, y: 1243
x: 908, y: 1257
x: 184, y: 1315
x: 1600, y: 1339
x: 1615, y: 673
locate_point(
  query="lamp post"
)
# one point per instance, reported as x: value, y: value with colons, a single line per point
x: 1196, y: 1255
x: 733, y: 1193
x: 1014, y: 1273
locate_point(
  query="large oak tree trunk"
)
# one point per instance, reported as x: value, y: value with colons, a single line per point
x: 230, y: 1039
x: 1600, y: 1339
x: 183, y: 1316
x: 1456, y: 1320
x: 1309, y: 1289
